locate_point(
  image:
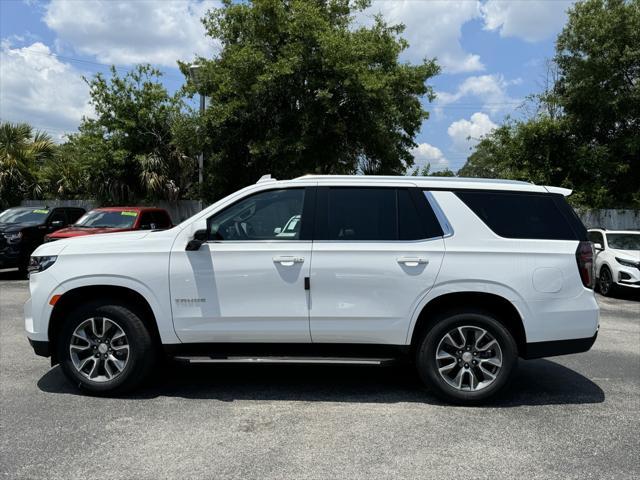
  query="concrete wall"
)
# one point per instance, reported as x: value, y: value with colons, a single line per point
x: 611, y: 219
x: 179, y: 211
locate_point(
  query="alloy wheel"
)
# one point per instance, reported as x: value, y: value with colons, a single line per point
x: 469, y: 358
x: 605, y: 281
x: 99, y: 349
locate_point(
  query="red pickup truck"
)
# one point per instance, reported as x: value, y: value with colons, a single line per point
x: 115, y: 219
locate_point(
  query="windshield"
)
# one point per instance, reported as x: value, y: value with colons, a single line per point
x: 624, y: 241
x: 24, y: 215
x: 107, y: 219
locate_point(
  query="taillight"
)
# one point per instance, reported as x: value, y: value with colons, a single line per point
x: 584, y: 257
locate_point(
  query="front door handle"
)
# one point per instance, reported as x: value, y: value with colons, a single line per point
x: 288, y: 260
x: 413, y: 261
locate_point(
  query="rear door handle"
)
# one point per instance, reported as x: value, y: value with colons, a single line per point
x: 412, y: 261
x: 288, y: 260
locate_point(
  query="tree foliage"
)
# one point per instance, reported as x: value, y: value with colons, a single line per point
x: 586, y: 135
x: 129, y: 150
x: 297, y: 88
x: 22, y: 153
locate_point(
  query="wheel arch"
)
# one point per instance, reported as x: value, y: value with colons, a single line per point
x: 503, y: 309
x: 116, y: 294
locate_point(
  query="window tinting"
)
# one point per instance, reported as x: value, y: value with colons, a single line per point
x: 520, y: 215
x: 58, y: 215
x: 596, y: 237
x: 410, y: 225
x: 161, y: 219
x: 362, y: 214
x: 271, y: 215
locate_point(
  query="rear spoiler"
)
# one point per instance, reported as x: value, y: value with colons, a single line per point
x: 562, y: 191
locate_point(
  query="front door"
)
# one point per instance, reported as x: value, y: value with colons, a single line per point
x: 247, y: 284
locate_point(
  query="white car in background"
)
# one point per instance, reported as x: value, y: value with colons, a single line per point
x: 617, y: 259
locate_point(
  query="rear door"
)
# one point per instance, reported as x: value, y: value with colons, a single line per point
x: 376, y: 253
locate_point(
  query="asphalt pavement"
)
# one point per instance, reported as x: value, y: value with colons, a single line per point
x: 576, y: 416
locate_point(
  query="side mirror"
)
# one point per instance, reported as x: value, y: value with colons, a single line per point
x: 277, y: 230
x: 598, y: 246
x: 57, y: 224
x: 199, y: 237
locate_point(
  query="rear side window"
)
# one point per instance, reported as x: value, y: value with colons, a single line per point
x: 376, y: 214
x: 362, y: 214
x: 522, y: 215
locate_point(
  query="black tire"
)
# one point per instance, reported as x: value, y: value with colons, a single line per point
x: 142, y: 351
x: 444, y: 323
x: 606, y: 285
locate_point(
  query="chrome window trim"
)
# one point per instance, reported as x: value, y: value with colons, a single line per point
x: 447, y: 229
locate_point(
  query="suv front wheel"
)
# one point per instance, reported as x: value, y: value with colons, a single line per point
x: 105, y: 348
x: 467, y: 356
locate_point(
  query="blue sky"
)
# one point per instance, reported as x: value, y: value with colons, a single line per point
x: 493, y: 53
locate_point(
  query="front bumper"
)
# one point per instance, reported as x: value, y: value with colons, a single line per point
x: 558, y: 347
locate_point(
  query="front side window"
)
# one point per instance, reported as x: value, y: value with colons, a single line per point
x: 271, y: 215
x: 596, y: 237
x: 59, y: 217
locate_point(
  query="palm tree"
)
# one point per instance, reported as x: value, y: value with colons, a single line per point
x: 22, y: 152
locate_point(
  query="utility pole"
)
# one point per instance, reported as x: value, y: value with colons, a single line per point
x: 194, y: 70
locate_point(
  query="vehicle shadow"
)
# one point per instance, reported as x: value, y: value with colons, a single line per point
x: 537, y: 382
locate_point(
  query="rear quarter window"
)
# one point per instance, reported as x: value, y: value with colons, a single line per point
x: 525, y: 215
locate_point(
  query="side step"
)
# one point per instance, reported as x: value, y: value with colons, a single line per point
x: 287, y: 360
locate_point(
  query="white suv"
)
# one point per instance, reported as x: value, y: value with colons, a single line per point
x: 617, y: 259
x: 461, y: 276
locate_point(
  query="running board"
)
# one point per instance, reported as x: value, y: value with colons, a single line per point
x: 289, y: 360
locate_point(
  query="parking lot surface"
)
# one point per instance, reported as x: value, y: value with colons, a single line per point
x: 576, y: 416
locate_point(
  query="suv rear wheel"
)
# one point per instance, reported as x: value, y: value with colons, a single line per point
x: 105, y: 348
x: 467, y: 356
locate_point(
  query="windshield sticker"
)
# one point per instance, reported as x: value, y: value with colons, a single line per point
x: 129, y: 214
x: 44, y: 212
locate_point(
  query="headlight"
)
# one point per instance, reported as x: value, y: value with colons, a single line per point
x: 38, y: 264
x: 13, y: 237
x: 627, y: 263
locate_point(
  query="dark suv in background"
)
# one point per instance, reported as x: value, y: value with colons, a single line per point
x: 22, y: 230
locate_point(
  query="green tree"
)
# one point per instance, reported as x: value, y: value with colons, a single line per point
x: 128, y: 151
x: 598, y: 58
x: 297, y: 88
x: 22, y: 152
x: 586, y: 133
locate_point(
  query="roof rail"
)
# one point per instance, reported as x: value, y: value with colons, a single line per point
x: 266, y: 178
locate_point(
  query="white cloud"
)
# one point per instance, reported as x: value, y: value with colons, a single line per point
x: 39, y: 89
x: 465, y: 134
x: 433, y: 29
x: 490, y: 90
x: 532, y: 21
x: 425, y: 154
x: 128, y: 32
